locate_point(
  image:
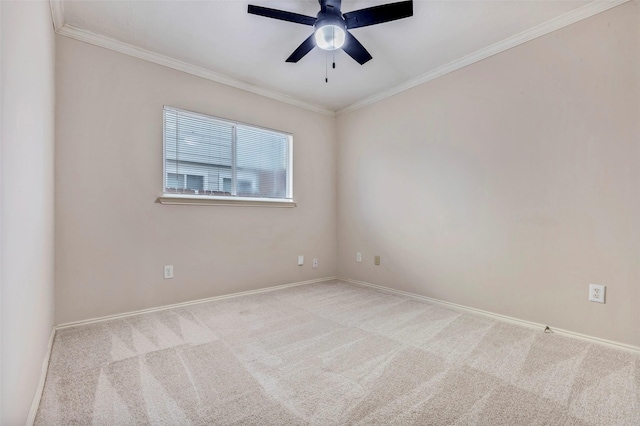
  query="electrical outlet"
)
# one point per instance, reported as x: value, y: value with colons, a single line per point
x: 358, y: 257
x: 596, y: 293
x: 300, y: 260
x: 376, y: 260
x: 168, y: 272
x: 315, y: 263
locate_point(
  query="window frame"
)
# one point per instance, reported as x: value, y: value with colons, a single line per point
x: 225, y: 200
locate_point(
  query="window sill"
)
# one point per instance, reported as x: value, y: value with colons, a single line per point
x: 174, y: 199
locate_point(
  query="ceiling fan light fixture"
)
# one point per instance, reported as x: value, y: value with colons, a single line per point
x: 330, y: 37
x: 331, y: 26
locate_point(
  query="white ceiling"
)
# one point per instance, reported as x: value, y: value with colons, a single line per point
x: 222, y: 37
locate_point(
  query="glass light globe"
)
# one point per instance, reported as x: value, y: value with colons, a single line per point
x: 330, y: 37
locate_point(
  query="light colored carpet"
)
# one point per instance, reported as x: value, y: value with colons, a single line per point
x: 328, y: 354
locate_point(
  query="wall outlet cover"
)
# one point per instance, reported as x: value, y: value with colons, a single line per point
x: 596, y: 293
x: 300, y: 260
x: 168, y: 272
x: 358, y: 257
x: 376, y: 260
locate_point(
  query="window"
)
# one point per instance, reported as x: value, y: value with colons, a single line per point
x: 180, y: 182
x: 211, y: 158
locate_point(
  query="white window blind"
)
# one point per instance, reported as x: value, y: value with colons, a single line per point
x: 209, y: 157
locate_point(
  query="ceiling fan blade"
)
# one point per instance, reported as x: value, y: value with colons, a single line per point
x: 281, y: 14
x: 303, y: 49
x: 378, y: 14
x: 355, y: 49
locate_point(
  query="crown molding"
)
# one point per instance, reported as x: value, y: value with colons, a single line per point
x: 57, y: 14
x: 554, y: 24
x: 147, y: 55
x: 583, y: 12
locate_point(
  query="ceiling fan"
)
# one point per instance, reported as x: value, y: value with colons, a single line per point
x: 331, y: 25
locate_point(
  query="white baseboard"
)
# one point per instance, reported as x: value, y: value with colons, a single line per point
x: 43, y: 376
x: 499, y: 317
x: 45, y: 366
x: 504, y: 318
x: 192, y: 302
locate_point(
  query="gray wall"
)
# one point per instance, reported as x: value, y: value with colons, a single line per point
x: 509, y: 185
x: 27, y: 205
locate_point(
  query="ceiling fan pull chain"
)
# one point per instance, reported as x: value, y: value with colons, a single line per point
x: 334, y: 59
x: 326, y: 68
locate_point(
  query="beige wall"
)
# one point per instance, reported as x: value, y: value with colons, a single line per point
x: 114, y: 238
x: 509, y: 185
x: 27, y: 230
